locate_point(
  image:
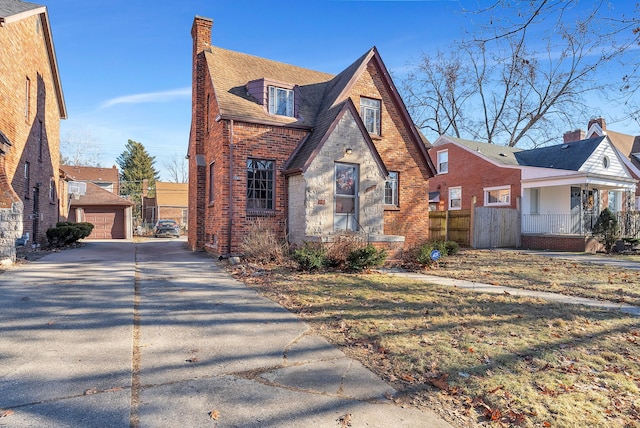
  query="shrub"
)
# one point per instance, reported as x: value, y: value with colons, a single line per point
x: 261, y: 245
x: 311, y: 256
x: 452, y: 248
x: 425, y: 250
x: 338, y: 250
x: 606, y: 229
x: 365, y: 258
x: 66, y: 233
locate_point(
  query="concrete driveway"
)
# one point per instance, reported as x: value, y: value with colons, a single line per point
x: 118, y: 334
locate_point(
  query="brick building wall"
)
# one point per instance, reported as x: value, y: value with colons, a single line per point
x: 30, y: 114
x: 473, y: 174
x: 399, y: 154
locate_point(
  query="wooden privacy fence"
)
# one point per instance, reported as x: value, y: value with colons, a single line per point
x: 481, y: 227
x: 451, y: 226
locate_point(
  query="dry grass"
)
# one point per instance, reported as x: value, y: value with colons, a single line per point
x: 480, y: 359
x: 532, y: 272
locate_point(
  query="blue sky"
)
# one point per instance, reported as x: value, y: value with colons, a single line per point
x: 126, y: 65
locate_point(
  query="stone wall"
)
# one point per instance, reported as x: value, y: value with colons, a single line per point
x: 10, y: 230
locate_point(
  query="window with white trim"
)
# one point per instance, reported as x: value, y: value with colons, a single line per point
x: 534, y: 203
x: 455, y: 198
x: 391, y: 189
x: 443, y: 161
x: 281, y: 101
x: 370, y: 113
x: 494, y: 196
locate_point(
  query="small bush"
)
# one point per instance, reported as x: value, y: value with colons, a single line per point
x: 452, y: 248
x: 606, y: 229
x: 261, y: 244
x: 66, y: 233
x: 365, y: 258
x: 425, y: 250
x: 311, y: 256
x: 338, y: 250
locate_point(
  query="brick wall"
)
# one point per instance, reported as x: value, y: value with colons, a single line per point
x: 33, y: 130
x: 473, y: 174
x: 561, y: 243
x: 399, y: 154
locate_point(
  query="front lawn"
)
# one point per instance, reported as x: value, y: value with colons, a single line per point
x: 477, y: 358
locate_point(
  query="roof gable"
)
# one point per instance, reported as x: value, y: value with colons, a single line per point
x: 308, y: 149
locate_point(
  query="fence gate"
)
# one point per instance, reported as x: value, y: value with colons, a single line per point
x: 496, y: 227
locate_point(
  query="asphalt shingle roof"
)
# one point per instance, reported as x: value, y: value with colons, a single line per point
x: 568, y: 156
x: 96, y: 195
x: 501, y: 154
x: 14, y: 7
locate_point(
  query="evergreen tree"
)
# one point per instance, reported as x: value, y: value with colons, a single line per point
x: 136, y: 165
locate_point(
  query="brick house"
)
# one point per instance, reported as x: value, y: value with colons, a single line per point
x: 31, y: 106
x: 171, y: 202
x: 305, y: 153
x: 106, y: 178
x: 558, y: 190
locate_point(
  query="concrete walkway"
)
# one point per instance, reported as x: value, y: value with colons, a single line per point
x: 117, y: 334
x: 553, y: 297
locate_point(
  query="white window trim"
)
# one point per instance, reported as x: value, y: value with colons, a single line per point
x: 377, y: 114
x: 272, y: 100
x: 438, y: 153
x: 394, y: 188
x: 495, y: 204
x: 452, y: 208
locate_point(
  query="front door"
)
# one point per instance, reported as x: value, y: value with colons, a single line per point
x: 346, y: 197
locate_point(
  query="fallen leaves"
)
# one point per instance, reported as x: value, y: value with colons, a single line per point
x: 5, y: 413
x: 345, y: 420
x: 214, y: 414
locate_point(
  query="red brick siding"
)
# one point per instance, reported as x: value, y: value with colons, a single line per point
x: 561, y: 243
x: 473, y: 174
x: 25, y: 56
x: 399, y: 154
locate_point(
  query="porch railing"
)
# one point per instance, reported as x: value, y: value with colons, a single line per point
x: 578, y: 224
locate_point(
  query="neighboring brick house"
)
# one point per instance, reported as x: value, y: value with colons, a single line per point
x: 171, y: 202
x: 559, y: 190
x: 628, y: 145
x: 106, y: 178
x: 289, y: 147
x: 31, y: 106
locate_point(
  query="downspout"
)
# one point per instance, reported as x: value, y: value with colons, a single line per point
x: 230, y: 224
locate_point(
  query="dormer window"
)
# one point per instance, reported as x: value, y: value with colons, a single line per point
x: 281, y: 101
x: 370, y: 112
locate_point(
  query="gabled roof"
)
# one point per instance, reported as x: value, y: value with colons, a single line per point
x: 319, y: 96
x: 503, y: 155
x: 15, y: 10
x: 567, y: 156
x: 172, y: 194
x: 96, y: 195
x: 91, y: 173
x: 230, y: 72
x: 309, y: 148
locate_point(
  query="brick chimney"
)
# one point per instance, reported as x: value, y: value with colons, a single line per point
x: 201, y: 34
x: 600, y: 121
x: 575, y: 135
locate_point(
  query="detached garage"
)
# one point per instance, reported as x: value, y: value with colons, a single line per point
x: 109, y: 213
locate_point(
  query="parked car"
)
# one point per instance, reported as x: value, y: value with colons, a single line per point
x: 166, y: 228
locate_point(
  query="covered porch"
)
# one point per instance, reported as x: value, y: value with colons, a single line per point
x: 558, y: 213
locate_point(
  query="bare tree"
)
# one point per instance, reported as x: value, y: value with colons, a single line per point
x: 177, y: 168
x: 80, y: 148
x: 522, y: 77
